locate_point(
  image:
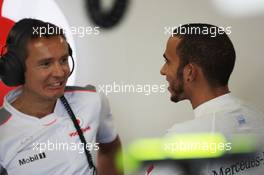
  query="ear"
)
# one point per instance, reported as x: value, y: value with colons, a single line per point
x: 190, y: 72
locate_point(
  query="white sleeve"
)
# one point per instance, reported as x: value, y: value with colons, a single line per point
x: 106, y: 130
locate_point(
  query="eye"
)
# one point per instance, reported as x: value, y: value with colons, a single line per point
x: 45, y: 64
x: 64, y: 60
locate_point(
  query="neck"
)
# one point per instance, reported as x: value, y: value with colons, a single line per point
x: 207, y: 94
x: 33, y: 106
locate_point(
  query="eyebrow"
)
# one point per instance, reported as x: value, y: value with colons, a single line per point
x: 65, y: 55
x: 44, y: 59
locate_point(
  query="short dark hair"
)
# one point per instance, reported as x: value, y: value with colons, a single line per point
x: 26, y: 30
x: 215, y: 54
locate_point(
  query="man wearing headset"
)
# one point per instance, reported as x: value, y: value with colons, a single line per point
x: 38, y: 133
x: 199, y: 59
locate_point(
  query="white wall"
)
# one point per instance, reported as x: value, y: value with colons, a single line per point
x: 132, y: 53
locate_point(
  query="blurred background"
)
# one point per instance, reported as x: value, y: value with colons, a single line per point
x: 128, y: 48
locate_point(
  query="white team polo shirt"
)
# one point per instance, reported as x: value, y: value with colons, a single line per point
x: 23, y: 137
x: 226, y: 115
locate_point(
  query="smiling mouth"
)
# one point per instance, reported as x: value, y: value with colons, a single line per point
x: 57, y: 85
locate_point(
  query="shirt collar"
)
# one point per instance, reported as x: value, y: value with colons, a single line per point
x: 213, y: 105
x: 13, y: 94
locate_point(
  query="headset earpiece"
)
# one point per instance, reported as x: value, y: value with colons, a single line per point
x: 13, y: 69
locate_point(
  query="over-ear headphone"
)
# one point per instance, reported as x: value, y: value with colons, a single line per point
x: 12, y: 67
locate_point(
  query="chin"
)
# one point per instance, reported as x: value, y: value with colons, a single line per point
x: 54, y: 96
x: 58, y: 95
x: 174, y: 99
x: 177, y: 98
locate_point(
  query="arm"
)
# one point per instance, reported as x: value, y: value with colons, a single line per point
x: 107, y: 156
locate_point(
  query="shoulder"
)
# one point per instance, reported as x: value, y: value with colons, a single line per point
x: 80, y: 92
x: 247, y: 110
x: 7, y: 125
x: 202, y: 124
x: 4, y: 116
x: 84, y: 95
x: 76, y: 89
